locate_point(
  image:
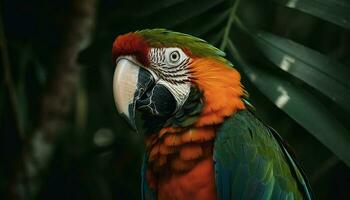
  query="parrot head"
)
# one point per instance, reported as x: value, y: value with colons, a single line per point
x: 174, y: 78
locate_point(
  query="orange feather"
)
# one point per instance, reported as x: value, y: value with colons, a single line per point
x: 184, y: 155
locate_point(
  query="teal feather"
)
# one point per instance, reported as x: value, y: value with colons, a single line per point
x: 251, y: 162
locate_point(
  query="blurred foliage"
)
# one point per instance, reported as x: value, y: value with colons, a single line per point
x: 294, y: 57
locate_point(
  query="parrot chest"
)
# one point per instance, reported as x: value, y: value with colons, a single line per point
x: 180, y: 164
x: 197, y: 183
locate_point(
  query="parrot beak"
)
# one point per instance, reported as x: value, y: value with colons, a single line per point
x: 130, y: 82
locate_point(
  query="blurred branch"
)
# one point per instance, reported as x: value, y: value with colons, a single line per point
x: 241, y: 26
x: 60, y: 92
x: 8, y: 81
x: 8, y: 78
x: 235, y: 51
x: 230, y: 20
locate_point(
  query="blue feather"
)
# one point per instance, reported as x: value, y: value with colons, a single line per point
x: 146, y: 192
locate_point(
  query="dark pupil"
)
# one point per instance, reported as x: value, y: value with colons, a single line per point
x: 174, y: 56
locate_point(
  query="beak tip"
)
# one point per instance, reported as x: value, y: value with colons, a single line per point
x: 132, y: 124
x: 130, y: 120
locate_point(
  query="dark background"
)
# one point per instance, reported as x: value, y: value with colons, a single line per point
x: 61, y: 137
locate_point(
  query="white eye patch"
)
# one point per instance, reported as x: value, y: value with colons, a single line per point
x: 174, y: 56
x: 170, y: 67
x: 171, y: 56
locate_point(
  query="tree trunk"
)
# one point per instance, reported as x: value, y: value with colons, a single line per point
x: 57, y: 99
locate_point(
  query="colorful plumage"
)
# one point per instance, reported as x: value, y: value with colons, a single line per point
x: 202, y: 141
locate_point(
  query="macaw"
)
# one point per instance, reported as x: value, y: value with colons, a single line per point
x: 202, y: 138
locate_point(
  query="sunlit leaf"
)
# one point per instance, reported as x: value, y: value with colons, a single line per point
x: 303, y: 107
x: 335, y: 11
x: 324, y: 74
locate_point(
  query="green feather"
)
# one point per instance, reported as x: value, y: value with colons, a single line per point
x: 198, y: 47
x: 252, y: 163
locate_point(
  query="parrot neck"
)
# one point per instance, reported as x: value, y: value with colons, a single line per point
x: 222, y: 90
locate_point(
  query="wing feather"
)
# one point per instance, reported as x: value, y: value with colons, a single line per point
x: 251, y: 163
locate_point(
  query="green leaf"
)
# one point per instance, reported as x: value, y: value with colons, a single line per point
x: 211, y: 21
x: 215, y: 39
x: 303, y: 107
x: 143, y: 8
x: 230, y: 20
x: 180, y: 13
x: 322, y: 73
x: 176, y: 12
x: 335, y: 11
x: 149, y: 7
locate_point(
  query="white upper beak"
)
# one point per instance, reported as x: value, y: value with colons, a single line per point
x: 124, y: 87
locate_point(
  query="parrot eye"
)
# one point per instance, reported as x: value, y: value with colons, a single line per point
x: 168, y: 57
x: 174, y: 56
